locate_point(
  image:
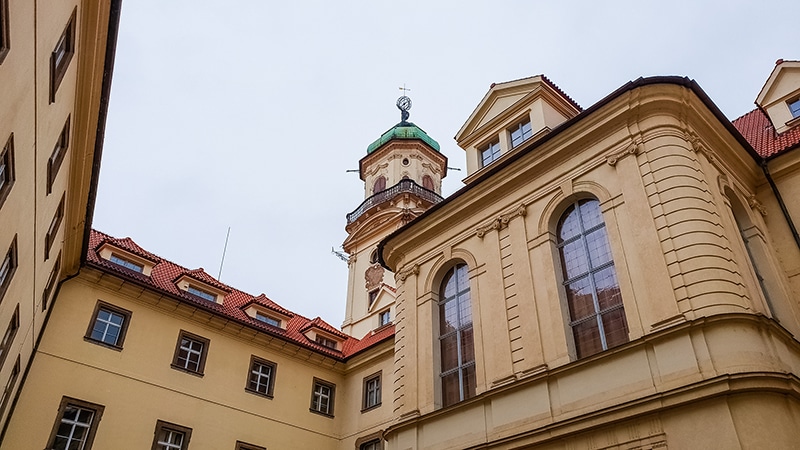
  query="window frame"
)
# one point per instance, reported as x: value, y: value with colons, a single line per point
x: 489, y: 152
x: 57, y: 155
x: 7, y: 162
x: 794, y: 108
x: 201, y: 364
x: 380, y: 182
x: 326, y: 342
x: 5, y: 32
x: 328, y: 412
x: 97, y: 413
x: 162, y: 425
x: 364, y: 442
x: 245, y: 446
x: 520, y: 128
x: 52, y: 280
x: 55, y: 225
x: 8, y: 337
x: 255, y: 360
x: 366, y: 405
x: 387, y: 314
x: 462, y: 366
x: 12, y: 381
x: 589, y: 273
x: 126, y: 263
x: 126, y: 318
x: 267, y: 319
x: 202, y: 294
x: 12, y: 258
x: 58, y: 69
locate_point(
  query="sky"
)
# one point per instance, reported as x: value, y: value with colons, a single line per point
x: 248, y: 114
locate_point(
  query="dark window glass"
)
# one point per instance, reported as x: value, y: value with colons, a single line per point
x: 521, y: 133
x: 51, y: 282
x: 50, y: 237
x: 322, y: 397
x: 169, y: 436
x: 57, y: 156
x: 5, y: 34
x: 456, y: 338
x: 6, y: 167
x: 8, y: 337
x: 597, y: 316
x: 372, y: 391
x: 380, y: 185
x: 75, y: 426
x: 794, y: 107
x: 490, y: 153
x: 8, y: 266
x: 190, y: 353
x: 261, y: 378
x: 61, y: 56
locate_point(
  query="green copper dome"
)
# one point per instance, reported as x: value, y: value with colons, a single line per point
x: 403, y: 130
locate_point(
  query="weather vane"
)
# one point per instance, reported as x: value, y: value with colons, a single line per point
x: 404, y: 104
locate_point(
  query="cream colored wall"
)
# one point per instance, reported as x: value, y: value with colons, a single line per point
x: 137, y: 386
x: 679, y: 260
x: 390, y: 165
x: 785, y: 88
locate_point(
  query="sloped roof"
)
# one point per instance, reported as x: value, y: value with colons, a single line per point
x: 758, y: 130
x: 164, y: 274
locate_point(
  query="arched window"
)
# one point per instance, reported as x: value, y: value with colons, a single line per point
x: 427, y: 182
x: 596, y: 313
x: 380, y: 184
x: 456, y: 337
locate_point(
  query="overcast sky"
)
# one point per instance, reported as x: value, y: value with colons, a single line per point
x: 247, y: 114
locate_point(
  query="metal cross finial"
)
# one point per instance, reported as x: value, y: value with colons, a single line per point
x: 404, y: 89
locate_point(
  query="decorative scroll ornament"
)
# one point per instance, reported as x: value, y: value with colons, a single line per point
x: 502, y: 221
x: 632, y: 149
x: 757, y: 205
x: 403, y: 274
x: 374, y: 276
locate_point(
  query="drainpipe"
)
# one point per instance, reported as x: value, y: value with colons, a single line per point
x: 777, y: 193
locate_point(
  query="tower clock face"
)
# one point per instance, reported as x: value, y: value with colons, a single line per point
x: 404, y: 103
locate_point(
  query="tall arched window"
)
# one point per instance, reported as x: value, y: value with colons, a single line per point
x: 427, y: 182
x: 597, y: 317
x: 456, y: 337
x: 380, y: 184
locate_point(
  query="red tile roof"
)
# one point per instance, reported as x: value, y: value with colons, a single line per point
x: 756, y: 127
x: 164, y: 274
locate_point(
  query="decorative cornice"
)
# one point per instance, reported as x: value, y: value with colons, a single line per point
x: 632, y: 149
x: 376, y: 168
x: 501, y: 221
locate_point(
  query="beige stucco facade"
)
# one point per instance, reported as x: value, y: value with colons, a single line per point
x: 35, y: 112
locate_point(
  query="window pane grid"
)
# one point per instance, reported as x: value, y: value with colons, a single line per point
x: 170, y: 439
x: 456, y: 338
x: 107, y: 327
x: 190, y: 353
x: 260, y: 376
x: 74, y: 427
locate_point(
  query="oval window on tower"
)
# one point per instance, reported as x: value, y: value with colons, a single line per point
x: 427, y: 182
x: 380, y: 185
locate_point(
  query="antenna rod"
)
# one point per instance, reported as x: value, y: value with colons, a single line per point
x: 224, y: 249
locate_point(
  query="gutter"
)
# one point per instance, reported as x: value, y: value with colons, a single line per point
x: 765, y: 168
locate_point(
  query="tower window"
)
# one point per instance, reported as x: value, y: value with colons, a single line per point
x: 597, y: 316
x: 490, y: 153
x: 521, y: 133
x: 427, y: 182
x: 380, y: 185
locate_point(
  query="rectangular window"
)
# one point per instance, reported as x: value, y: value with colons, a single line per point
x: 322, y: 397
x: 384, y: 318
x: 201, y: 293
x: 7, y: 267
x: 169, y: 436
x: 109, y: 325
x: 322, y: 340
x: 245, y: 446
x: 371, y: 445
x: 490, y: 153
x: 6, y: 167
x: 51, y: 282
x: 8, y: 337
x: 372, y: 392
x: 373, y: 295
x: 61, y: 56
x: 12, y: 381
x: 261, y: 378
x: 126, y: 264
x: 5, y: 34
x: 57, y: 156
x: 190, y: 353
x: 794, y: 107
x: 521, y: 133
x: 50, y: 237
x: 76, y: 425
x: 268, y: 320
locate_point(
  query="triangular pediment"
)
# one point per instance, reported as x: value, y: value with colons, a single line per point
x: 782, y: 84
x: 510, y: 97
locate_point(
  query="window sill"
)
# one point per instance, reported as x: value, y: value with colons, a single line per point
x: 260, y: 394
x: 793, y: 122
x: 103, y: 344
x: 185, y: 370
x: 330, y: 416
x: 370, y: 408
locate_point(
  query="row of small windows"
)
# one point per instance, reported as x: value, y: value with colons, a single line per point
x: 380, y: 184
x: 517, y: 134
x: 596, y: 313
x: 77, y: 424
x: 109, y: 326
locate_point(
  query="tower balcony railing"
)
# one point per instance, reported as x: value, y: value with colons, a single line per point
x: 404, y: 186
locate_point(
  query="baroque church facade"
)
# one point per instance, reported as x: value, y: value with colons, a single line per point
x: 624, y: 276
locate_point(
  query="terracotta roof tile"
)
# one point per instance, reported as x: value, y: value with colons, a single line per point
x: 756, y: 127
x: 164, y: 274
